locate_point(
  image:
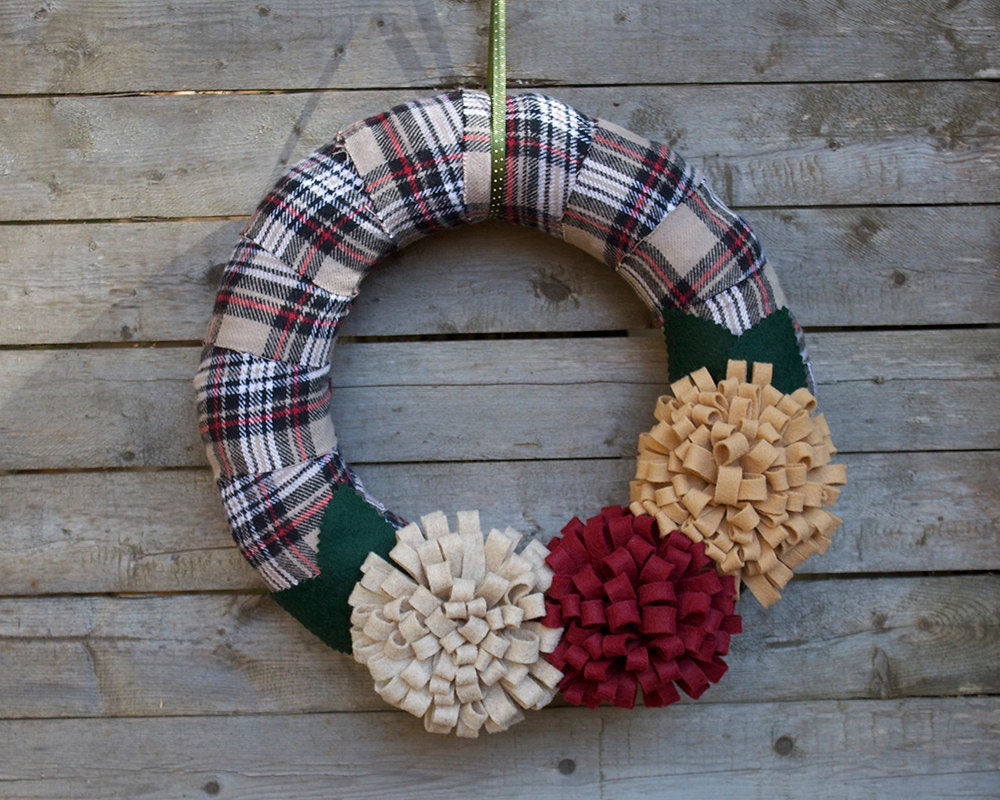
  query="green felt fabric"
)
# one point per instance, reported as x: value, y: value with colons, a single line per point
x: 351, y: 529
x: 693, y: 342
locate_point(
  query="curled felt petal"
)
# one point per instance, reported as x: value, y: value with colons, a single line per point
x: 743, y: 468
x: 454, y: 634
x: 667, y: 620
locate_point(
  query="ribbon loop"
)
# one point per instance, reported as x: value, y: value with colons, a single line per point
x: 497, y: 79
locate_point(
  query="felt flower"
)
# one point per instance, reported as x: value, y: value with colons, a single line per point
x: 640, y: 611
x: 746, y: 470
x: 452, y: 632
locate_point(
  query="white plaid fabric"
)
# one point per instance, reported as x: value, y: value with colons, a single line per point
x: 319, y: 221
x: 266, y: 309
x: 476, y: 154
x: 624, y: 189
x: 700, y: 248
x: 546, y: 145
x: 261, y: 415
x: 410, y: 163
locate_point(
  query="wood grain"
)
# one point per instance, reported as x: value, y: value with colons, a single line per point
x: 915, y: 749
x: 218, y: 653
x: 140, y: 531
x: 852, y: 144
x: 142, y: 282
x: 447, y: 401
x: 318, y: 756
x: 855, y: 749
x: 116, y: 46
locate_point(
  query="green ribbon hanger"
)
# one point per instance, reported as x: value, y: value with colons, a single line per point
x: 497, y: 79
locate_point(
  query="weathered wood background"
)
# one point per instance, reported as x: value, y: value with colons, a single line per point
x: 140, y: 657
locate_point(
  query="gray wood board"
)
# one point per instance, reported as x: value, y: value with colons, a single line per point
x: 448, y: 401
x: 155, y: 531
x: 218, y: 653
x: 836, y: 751
x: 156, y: 281
x: 855, y: 749
x: 118, y: 46
x: 779, y: 145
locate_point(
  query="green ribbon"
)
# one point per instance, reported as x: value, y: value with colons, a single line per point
x: 497, y: 79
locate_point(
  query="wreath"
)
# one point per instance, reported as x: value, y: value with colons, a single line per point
x: 465, y: 628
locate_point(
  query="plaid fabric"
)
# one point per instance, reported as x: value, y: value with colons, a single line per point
x: 264, y: 308
x: 276, y: 517
x: 319, y: 222
x: 411, y: 165
x: 258, y: 416
x: 625, y: 187
x: 476, y: 154
x: 741, y: 306
x: 698, y: 249
x: 546, y: 145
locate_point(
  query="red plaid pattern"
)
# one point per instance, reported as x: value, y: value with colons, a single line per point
x: 698, y: 249
x: 410, y: 163
x: 625, y: 188
x: 741, y: 306
x: 266, y: 309
x: 260, y: 415
x: 276, y: 517
x: 546, y: 144
x: 476, y: 154
x: 319, y: 221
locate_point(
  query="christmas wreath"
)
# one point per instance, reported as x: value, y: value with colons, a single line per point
x: 465, y: 628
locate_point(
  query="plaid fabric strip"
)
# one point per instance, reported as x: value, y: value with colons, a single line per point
x: 546, y: 144
x: 257, y: 416
x: 319, y: 221
x: 743, y: 305
x: 276, y: 517
x: 264, y: 308
x: 626, y: 186
x: 476, y: 154
x: 698, y: 249
x: 410, y: 162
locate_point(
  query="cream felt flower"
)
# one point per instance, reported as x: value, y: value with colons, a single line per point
x: 451, y: 630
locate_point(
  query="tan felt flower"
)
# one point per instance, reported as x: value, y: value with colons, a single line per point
x: 744, y: 468
x: 453, y: 634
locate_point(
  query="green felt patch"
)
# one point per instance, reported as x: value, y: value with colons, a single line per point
x: 693, y: 343
x: 351, y: 529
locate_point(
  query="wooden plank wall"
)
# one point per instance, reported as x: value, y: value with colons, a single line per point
x: 140, y: 657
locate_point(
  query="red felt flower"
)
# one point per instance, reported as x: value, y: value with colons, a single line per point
x: 639, y: 611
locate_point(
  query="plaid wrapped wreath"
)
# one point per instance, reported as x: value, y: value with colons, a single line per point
x: 464, y: 628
